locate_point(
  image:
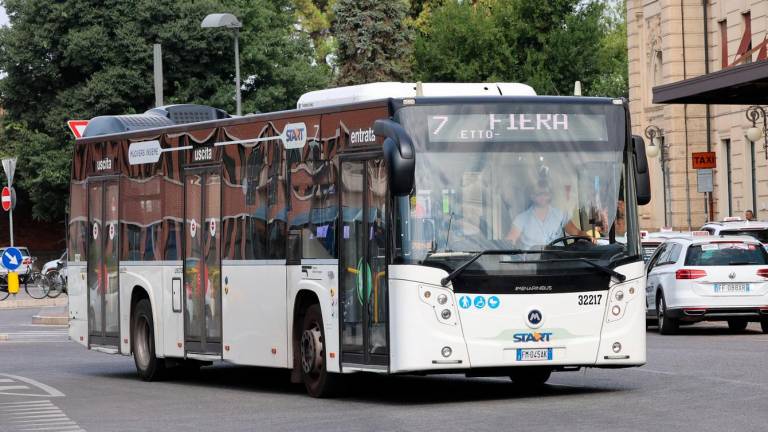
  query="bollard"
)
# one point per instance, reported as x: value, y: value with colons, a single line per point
x: 13, y: 283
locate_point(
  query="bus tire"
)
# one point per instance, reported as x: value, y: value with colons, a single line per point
x: 764, y: 325
x: 530, y: 375
x: 667, y: 325
x: 148, y: 366
x: 319, y: 382
x: 737, y: 325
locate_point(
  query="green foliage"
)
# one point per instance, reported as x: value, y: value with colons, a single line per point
x: 77, y: 59
x: 548, y: 45
x: 373, y: 41
x: 315, y: 18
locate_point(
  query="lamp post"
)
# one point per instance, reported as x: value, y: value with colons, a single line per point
x: 228, y: 20
x: 754, y: 133
x: 658, y: 146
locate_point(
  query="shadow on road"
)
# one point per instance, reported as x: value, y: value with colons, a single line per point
x: 709, y: 330
x: 396, y: 390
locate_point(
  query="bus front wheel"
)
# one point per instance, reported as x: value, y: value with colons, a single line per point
x: 314, y: 372
x: 148, y: 366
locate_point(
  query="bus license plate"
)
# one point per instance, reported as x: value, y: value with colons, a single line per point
x: 731, y: 288
x: 534, y: 354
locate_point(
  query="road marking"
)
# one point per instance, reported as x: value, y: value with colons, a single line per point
x: 12, y: 387
x: 5, y: 380
x: 50, y: 391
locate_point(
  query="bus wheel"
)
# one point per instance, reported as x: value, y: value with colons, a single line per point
x: 530, y: 375
x: 764, y: 325
x: 149, y: 367
x: 318, y: 381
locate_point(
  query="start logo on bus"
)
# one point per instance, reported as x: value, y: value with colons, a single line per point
x: 294, y: 135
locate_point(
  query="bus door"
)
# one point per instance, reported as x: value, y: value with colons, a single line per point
x: 103, y: 262
x: 202, y: 260
x: 363, y: 292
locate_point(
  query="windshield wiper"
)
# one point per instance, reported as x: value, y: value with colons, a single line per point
x: 444, y: 281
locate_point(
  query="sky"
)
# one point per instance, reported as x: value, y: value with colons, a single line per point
x: 3, y: 16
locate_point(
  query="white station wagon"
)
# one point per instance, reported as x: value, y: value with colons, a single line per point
x: 714, y: 278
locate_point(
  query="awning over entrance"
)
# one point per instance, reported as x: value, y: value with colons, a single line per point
x: 739, y: 85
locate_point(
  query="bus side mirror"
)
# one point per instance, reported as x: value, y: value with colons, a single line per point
x: 399, y: 156
x: 643, y: 179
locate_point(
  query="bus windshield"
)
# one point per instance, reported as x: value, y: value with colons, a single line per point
x: 516, y: 176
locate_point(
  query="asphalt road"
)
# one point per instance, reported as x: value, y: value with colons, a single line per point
x: 705, y: 379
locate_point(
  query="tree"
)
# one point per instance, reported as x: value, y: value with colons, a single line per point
x: 69, y: 59
x: 612, y: 59
x: 373, y: 41
x: 548, y: 45
x: 315, y: 17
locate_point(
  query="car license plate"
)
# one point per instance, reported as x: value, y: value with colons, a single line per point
x: 731, y: 288
x: 534, y: 354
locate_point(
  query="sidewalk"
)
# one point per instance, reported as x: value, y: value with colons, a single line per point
x: 52, y: 316
x: 22, y: 300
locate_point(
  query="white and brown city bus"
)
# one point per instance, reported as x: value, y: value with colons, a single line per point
x: 367, y: 231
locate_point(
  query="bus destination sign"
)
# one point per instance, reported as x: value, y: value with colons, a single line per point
x: 517, y: 127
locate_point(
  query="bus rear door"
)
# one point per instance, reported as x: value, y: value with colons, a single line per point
x: 202, y: 261
x: 103, y: 248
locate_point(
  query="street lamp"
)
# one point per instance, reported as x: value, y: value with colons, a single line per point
x: 657, y: 146
x: 754, y: 133
x: 228, y: 21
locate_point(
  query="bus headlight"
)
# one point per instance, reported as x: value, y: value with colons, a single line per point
x: 616, y: 347
x: 442, y: 299
x: 619, y: 296
x: 446, y: 314
x: 616, y: 310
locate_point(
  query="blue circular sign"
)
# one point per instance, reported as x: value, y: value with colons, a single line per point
x: 12, y: 258
x: 493, y: 302
x: 465, y: 302
x: 479, y: 302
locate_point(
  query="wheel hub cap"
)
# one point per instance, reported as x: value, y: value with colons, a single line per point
x: 311, y: 350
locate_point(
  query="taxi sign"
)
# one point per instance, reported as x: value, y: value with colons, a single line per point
x: 704, y: 160
x: 12, y: 258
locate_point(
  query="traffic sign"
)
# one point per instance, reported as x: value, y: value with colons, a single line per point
x: 6, y: 199
x: 9, y: 166
x: 704, y: 181
x: 12, y: 258
x: 704, y: 160
x: 77, y: 127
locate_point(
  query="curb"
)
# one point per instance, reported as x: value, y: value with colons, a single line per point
x: 32, y: 303
x: 50, y: 320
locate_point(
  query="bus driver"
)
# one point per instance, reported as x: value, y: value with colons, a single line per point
x: 541, y: 223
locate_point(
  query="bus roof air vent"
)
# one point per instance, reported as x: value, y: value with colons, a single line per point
x: 106, y: 125
x: 189, y: 113
x: 164, y: 116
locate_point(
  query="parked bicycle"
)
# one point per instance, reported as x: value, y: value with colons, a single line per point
x: 33, y: 286
x: 54, y: 282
